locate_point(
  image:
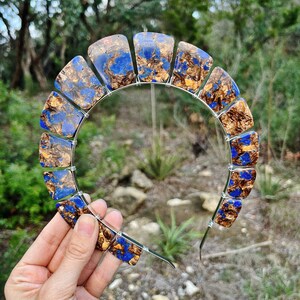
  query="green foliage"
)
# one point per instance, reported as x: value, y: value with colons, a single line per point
x: 274, y: 284
x: 159, y: 164
x: 271, y: 187
x: 23, y: 196
x: 176, y: 239
x: 97, y: 156
x: 19, y: 242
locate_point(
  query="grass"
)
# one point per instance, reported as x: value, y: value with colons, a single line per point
x: 274, y: 284
x: 159, y: 164
x: 175, y: 240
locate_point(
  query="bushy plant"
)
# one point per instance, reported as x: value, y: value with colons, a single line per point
x: 176, y: 239
x: 159, y: 164
x: 23, y: 196
x: 274, y: 284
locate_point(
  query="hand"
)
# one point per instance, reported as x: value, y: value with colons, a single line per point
x: 62, y: 263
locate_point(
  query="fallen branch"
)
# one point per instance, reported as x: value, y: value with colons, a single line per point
x: 254, y: 246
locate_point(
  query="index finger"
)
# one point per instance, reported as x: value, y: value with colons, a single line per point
x: 44, y: 247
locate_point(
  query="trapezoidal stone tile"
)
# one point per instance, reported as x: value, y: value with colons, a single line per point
x: 73, y: 208
x: 191, y: 67
x: 125, y: 250
x: 241, y: 183
x: 228, y: 212
x: 245, y: 149
x: 112, y: 59
x: 220, y: 90
x: 60, y: 183
x: 60, y: 117
x: 79, y: 83
x: 237, y: 118
x: 153, y: 53
x: 55, y: 151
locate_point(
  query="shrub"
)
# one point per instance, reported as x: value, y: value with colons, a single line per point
x: 159, y: 164
x: 23, y: 196
x: 175, y: 240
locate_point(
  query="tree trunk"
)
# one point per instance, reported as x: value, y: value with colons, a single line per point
x: 24, y: 15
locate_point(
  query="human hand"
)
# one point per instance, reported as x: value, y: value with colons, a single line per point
x: 62, y: 263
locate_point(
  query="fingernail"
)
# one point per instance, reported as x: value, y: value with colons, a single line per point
x: 86, y: 225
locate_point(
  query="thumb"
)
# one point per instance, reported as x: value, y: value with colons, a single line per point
x: 78, y: 253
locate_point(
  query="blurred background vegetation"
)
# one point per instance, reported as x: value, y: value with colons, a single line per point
x: 256, y: 41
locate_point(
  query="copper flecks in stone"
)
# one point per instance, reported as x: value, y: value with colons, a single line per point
x: 245, y: 149
x: 125, y: 250
x: 73, y: 208
x: 191, y: 67
x: 59, y: 116
x: 220, y: 90
x: 78, y: 82
x: 105, y: 237
x: 154, y: 53
x: 241, y: 183
x: 60, y: 183
x: 237, y: 118
x: 55, y: 151
x: 228, y: 212
x: 112, y: 59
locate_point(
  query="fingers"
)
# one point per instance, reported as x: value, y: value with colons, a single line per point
x: 100, y: 207
x: 42, y: 250
x: 45, y: 246
x: 79, y: 251
x: 115, y: 220
x: 104, y: 273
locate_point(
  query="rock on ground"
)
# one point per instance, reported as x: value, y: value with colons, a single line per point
x: 140, y: 180
x: 178, y: 202
x: 128, y: 199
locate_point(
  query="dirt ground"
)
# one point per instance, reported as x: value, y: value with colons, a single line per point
x: 267, y: 272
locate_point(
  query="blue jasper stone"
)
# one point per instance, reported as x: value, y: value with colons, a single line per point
x: 241, y: 183
x: 112, y: 59
x: 154, y: 53
x: 245, y: 149
x: 79, y: 83
x: 59, y: 116
x: 60, y: 183
x: 219, y: 89
x: 55, y: 151
x: 124, y: 254
x: 191, y: 67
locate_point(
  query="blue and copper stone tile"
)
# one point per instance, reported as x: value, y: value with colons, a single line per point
x: 245, y: 149
x: 241, y: 183
x: 73, y: 208
x: 112, y: 59
x: 60, y: 117
x: 219, y: 90
x: 228, y: 212
x: 125, y: 250
x: 78, y: 82
x: 191, y: 67
x: 60, y: 183
x: 55, y: 151
x: 153, y: 53
x: 237, y: 119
